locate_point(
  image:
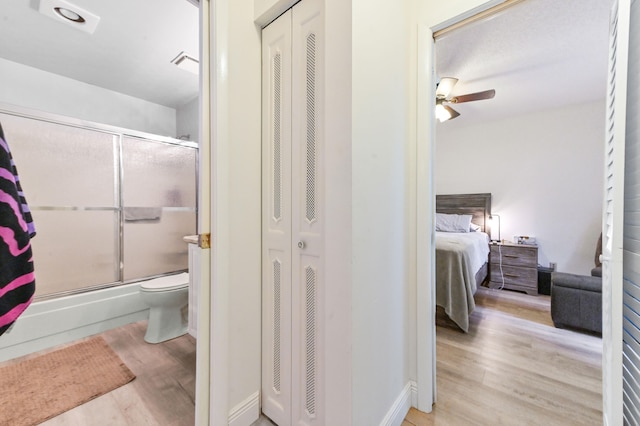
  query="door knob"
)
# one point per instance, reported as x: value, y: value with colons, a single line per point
x: 300, y: 244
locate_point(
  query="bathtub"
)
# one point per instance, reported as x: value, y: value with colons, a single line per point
x: 53, y: 322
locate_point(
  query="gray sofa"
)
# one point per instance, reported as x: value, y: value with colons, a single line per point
x: 576, y: 300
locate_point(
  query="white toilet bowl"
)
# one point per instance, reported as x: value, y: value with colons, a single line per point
x: 167, y: 298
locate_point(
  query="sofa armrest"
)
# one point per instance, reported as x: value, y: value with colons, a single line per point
x: 581, y: 282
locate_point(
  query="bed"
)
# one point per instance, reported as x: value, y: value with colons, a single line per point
x: 461, y: 257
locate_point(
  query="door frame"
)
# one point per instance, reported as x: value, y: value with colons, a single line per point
x: 205, y: 195
x: 425, y: 197
x: 426, y: 80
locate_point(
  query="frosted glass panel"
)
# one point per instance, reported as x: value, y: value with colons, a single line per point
x: 107, y: 207
x: 158, y: 174
x: 74, y: 249
x: 61, y: 165
x: 155, y: 247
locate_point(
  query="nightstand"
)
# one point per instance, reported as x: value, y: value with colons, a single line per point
x: 519, y: 269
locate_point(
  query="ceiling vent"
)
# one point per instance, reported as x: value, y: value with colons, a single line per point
x: 186, y: 62
x: 70, y: 14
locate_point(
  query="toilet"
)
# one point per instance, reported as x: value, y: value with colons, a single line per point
x: 167, y: 298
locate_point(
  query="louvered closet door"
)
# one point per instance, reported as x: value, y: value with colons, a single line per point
x: 631, y: 245
x: 293, y: 217
x: 612, y: 216
x: 308, y: 214
x: 276, y: 220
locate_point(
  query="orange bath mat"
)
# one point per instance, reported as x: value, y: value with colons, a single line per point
x: 37, y: 388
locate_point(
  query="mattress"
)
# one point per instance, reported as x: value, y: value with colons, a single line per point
x: 459, y: 256
x: 475, y: 243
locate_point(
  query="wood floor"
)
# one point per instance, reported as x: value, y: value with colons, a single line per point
x: 162, y: 394
x: 512, y: 368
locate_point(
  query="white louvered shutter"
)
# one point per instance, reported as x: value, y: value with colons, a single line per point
x: 631, y: 244
x: 613, y: 216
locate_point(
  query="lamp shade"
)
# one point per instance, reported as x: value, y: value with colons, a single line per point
x: 493, y: 218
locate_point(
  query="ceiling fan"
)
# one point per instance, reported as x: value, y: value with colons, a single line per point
x: 443, y: 91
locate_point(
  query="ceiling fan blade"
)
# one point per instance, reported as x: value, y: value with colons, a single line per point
x: 445, y: 86
x: 478, y: 96
x: 451, y: 111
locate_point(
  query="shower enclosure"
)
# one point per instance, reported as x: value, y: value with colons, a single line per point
x: 110, y: 206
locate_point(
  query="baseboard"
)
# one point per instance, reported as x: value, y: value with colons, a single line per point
x: 247, y: 412
x: 398, y: 411
x: 57, y: 321
x: 414, y: 393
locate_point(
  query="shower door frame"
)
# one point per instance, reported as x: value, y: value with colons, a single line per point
x: 119, y: 134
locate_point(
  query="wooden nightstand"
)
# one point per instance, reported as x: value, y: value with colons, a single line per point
x: 519, y: 267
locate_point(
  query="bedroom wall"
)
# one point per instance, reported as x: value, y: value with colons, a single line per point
x: 545, y: 172
x: 44, y: 91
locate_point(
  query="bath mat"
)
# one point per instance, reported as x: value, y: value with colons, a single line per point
x: 40, y: 387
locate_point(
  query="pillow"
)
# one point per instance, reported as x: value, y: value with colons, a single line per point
x: 474, y: 228
x: 453, y: 222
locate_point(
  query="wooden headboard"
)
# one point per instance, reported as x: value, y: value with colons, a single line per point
x: 477, y: 205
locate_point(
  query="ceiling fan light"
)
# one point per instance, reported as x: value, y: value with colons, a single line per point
x: 445, y: 86
x: 441, y: 113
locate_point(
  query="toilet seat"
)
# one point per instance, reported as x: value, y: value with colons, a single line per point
x: 168, y: 283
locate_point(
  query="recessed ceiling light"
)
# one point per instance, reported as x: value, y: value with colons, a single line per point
x: 69, y: 14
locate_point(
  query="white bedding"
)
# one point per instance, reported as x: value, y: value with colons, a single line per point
x: 459, y: 256
x: 477, y: 242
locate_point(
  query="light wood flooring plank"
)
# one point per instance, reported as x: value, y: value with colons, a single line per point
x: 514, y: 367
x: 163, y: 392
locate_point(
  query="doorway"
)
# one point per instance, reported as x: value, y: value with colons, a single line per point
x: 107, y: 76
x: 504, y: 150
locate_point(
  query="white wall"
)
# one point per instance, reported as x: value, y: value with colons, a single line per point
x: 545, y: 172
x: 32, y: 88
x: 236, y: 207
x: 380, y: 137
x: 338, y: 245
x: 244, y: 196
x: 188, y: 120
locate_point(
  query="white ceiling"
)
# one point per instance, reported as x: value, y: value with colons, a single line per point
x: 130, y: 51
x: 537, y: 54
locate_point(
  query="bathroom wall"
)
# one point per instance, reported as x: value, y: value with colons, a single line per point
x: 188, y: 120
x: 44, y: 91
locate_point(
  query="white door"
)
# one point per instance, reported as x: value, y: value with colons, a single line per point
x: 628, y: 392
x: 293, y: 218
x: 276, y: 220
x: 612, y: 232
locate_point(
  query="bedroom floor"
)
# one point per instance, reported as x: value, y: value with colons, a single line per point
x: 514, y: 367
